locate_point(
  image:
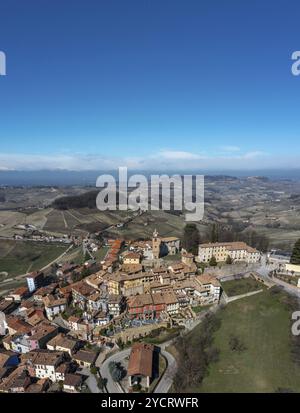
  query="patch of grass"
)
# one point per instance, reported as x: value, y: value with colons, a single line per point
x: 101, y: 253
x: 163, y: 335
x: 175, y: 257
x: 242, y: 286
x: 262, y: 323
x: 29, y: 256
x: 200, y: 308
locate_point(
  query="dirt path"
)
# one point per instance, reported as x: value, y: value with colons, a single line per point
x: 73, y: 216
x: 64, y: 219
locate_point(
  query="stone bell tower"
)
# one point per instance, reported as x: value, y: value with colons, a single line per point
x: 156, y: 241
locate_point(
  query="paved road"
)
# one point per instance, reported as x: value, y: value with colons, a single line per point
x: 91, y: 381
x: 162, y: 387
x: 167, y: 379
x: 112, y: 386
x: 264, y: 271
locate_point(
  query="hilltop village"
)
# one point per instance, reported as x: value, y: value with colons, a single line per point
x: 57, y: 331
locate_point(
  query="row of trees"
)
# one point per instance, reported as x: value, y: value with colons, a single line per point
x: 295, y: 258
x: 196, y: 351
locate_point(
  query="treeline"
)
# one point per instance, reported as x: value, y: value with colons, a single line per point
x: 2, y: 196
x: 195, y: 352
x: 86, y: 200
x: 222, y: 233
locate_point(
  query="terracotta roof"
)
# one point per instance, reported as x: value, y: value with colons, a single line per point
x: 141, y: 360
x: 83, y: 288
x: 19, y: 378
x: 86, y: 356
x: 73, y: 380
x: 35, y: 317
x: 48, y: 289
x: 232, y: 246
x: 27, y: 303
x: 51, y: 301
x: 62, y: 341
x: 158, y: 298
x: 140, y: 300
x: 65, y: 290
x: 208, y: 279
x: 132, y: 268
x: 42, y: 357
x: 4, y: 356
x: 177, y: 267
x: 42, y: 330
x: 62, y: 368
x: 6, y: 305
x: 17, y: 324
x: 159, y: 270
x: 34, y: 388
x: 20, y: 291
x: 95, y: 280
x: 170, y: 297
x: 132, y: 255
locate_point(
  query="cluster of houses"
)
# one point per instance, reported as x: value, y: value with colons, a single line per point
x: 36, y: 354
x: 48, y: 328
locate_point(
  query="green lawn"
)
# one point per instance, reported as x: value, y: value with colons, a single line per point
x: 28, y: 256
x: 159, y: 337
x: 242, y: 286
x: 200, y: 308
x: 262, y: 324
x: 101, y: 253
x: 175, y: 257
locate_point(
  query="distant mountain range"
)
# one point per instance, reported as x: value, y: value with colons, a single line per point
x: 88, y: 178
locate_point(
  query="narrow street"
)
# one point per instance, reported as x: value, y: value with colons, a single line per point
x: 91, y: 381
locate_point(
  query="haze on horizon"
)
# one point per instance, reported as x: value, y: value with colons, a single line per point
x: 161, y: 86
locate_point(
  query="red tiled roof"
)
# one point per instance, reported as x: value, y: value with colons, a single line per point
x: 141, y: 360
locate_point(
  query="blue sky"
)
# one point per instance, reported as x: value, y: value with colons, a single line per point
x: 150, y: 84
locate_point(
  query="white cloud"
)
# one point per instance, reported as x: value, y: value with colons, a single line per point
x: 163, y: 160
x: 175, y: 155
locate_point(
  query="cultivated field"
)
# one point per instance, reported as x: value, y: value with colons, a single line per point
x: 20, y: 257
x: 270, y: 208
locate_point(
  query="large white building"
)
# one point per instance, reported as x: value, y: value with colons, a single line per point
x: 34, y: 281
x: 237, y: 251
x: 47, y: 364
